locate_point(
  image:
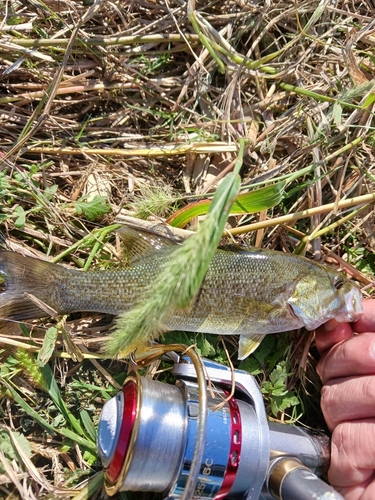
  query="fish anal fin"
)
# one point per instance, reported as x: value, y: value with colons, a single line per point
x: 141, y: 242
x: 248, y: 344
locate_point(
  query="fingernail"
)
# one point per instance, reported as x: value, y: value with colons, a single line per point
x: 372, y: 349
x: 330, y: 325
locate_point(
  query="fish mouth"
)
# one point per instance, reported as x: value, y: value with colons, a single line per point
x: 354, y: 307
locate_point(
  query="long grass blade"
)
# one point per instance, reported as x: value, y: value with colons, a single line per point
x: 246, y: 203
x: 181, y: 276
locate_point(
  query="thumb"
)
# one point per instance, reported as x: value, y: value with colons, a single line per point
x: 331, y: 333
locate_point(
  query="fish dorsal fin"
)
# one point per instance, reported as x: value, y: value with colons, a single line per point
x: 248, y: 344
x: 141, y: 242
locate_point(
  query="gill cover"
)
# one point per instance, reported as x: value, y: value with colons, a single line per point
x: 305, y: 302
x: 316, y: 300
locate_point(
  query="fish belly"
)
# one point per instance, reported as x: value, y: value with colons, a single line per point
x: 236, y: 317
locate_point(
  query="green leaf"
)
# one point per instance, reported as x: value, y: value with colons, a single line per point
x: 54, y: 392
x: 265, y: 349
x: 48, y: 346
x: 29, y: 411
x: 337, y: 113
x: 251, y: 365
x: 106, y: 391
x: 50, y: 191
x: 245, y: 203
x: 277, y: 379
x: 369, y: 100
x: 280, y: 404
x: 93, y: 485
x: 176, y: 337
x: 59, y: 421
x: 21, y: 217
x: 205, y: 347
x: 367, y: 263
x: 89, y: 458
x: 77, y: 439
x: 279, y: 375
x: 50, y: 385
x: 6, y: 445
x: 276, y: 391
x: 92, y: 209
x: 88, y: 424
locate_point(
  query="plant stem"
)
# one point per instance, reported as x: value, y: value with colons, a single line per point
x: 286, y: 219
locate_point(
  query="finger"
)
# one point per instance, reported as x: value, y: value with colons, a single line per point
x: 367, y: 321
x: 331, y: 333
x: 348, y: 399
x: 363, y: 491
x: 353, y: 356
x: 352, y: 454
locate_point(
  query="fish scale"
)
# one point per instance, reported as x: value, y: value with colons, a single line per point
x: 246, y: 291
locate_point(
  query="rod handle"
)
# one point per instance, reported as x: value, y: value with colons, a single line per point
x: 291, y: 480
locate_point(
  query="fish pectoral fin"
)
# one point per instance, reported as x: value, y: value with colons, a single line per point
x: 248, y: 344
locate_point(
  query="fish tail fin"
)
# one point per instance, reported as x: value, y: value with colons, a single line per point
x: 27, y: 287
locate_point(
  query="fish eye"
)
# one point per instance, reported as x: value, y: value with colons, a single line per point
x: 338, y: 282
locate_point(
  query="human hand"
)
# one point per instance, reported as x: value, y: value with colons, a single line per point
x: 347, y: 370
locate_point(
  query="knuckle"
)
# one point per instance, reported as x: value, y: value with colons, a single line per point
x: 340, y: 437
x: 327, y: 403
x: 368, y: 388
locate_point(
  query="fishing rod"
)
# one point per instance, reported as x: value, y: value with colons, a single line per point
x: 206, y: 437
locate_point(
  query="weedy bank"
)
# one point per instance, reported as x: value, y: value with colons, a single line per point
x: 111, y: 110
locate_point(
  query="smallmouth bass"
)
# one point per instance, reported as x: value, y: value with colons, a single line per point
x: 247, y: 291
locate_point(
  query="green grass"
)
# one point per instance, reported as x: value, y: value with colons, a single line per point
x: 157, y: 120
